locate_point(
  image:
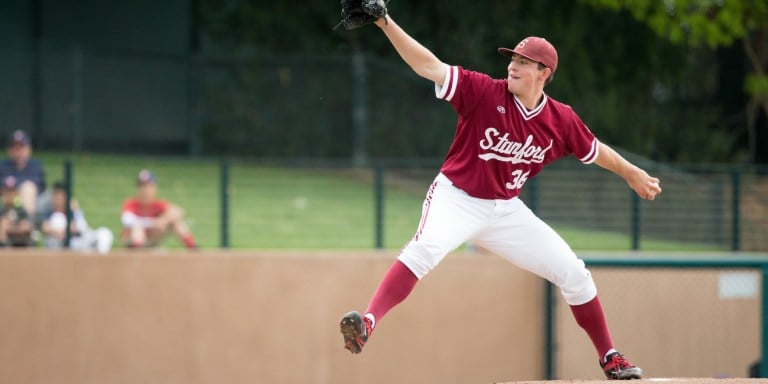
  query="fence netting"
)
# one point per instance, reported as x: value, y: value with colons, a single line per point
x: 282, y: 204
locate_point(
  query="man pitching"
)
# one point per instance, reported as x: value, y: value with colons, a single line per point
x: 507, y: 131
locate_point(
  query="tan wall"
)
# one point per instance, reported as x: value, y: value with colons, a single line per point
x: 259, y: 318
x: 273, y: 318
x: 672, y: 323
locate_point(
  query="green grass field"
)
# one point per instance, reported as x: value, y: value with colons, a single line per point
x: 274, y: 207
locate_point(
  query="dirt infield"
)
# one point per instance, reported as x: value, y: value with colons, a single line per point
x: 652, y: 380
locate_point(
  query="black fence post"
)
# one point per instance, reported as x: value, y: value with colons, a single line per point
x: 532, y: 188
x: 735, y: 209
x: 224, y: 200
x: 533, y: 195
x: 68, y: 190
x: 764, y: 331
x: 636, y: 221
x: 549, y: 331
x: 359, y: 106
x: 378, y: 196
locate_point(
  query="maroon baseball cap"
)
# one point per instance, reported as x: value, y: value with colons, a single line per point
x: 536, y: 49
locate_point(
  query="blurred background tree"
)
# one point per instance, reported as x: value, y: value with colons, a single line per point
x: 738, y: 24
x: 674, y: 80
x: 668, y: 80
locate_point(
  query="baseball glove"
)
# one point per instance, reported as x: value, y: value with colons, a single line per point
x: 358, y: 13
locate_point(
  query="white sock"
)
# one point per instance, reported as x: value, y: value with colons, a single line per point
x: 371, y: 318
x: 612, y: 350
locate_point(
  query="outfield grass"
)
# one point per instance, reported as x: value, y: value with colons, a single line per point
x: 274, y: 207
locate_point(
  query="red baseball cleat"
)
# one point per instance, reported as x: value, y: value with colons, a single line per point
x: 355, y: 329
x: 617, y: 367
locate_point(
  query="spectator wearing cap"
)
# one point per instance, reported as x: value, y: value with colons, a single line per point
x: 147, y: 220
x: 82, y: 236
x: 15, y: 222
x: 28, y: 172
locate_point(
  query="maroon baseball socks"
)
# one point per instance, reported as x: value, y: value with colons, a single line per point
x: 399, y: 281
x: 397, y: 284
x: 189, y: 241
x: 590, y: 317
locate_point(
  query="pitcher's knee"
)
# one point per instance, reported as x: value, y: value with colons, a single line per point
x: 421, y: 257
x: 577, y: 285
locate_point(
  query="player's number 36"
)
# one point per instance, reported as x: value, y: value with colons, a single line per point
x: 518, y: 179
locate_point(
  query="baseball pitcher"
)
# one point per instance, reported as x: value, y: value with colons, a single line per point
x: 507, y: 130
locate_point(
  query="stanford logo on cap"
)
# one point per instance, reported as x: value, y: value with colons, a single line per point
x: 522, y: 43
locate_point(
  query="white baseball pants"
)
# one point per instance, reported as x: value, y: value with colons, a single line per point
x: 507, y: 228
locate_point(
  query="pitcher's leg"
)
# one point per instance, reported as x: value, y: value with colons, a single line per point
x: 397, y: 284
x: 449, y: 218
x: 525, y: 240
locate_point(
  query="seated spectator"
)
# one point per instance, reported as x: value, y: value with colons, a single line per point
x: 147, y: 220
x: 82, y: 236
x: 29, y: 173
x: 15, y: 222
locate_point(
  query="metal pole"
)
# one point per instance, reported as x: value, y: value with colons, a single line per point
x: 636, y: 222
x: 533, y: 189
x: 224, y: 200
x: 194, y: 104
x: 359, y: 108
x: 378, y: 193
x: 77, y: 100
x: 36, y: 70
x: 764, y: 325
x: 549, y: 331
x: 194, y: 80
x: 549, y: 302
x: 735, y: 209
x: 68, y: 191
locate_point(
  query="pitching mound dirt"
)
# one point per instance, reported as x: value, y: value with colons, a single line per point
x: 660, y: 380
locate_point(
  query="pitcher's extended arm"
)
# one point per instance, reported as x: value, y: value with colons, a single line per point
x: 643, y: 184
x: 419, y: 58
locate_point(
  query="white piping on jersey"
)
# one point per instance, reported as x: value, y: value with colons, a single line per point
x: 449, y: 84
x: 454, y: 81
x: 593, y: 153
x: 441, y: 90
x: 527, y: 115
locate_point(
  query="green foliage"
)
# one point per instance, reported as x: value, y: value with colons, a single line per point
x: 756, y: 85
x: 713, y: 23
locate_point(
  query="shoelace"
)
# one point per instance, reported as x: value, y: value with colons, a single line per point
x: 618, y: 362
x: 368, y: 328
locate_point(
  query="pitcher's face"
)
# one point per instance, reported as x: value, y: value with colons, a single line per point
x: 524, y: 75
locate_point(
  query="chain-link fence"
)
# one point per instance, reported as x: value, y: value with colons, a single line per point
x: 246, y: 204
x: 257, y: 105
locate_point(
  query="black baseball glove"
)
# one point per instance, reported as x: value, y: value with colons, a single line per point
x: 357, y: 13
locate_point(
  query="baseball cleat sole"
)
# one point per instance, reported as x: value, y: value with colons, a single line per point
x: 629, y: 374
x: 351, y: 327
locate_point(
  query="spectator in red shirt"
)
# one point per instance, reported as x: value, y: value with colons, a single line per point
x: 147, y: 220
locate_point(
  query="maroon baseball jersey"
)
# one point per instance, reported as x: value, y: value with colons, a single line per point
x: 499, y: 144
